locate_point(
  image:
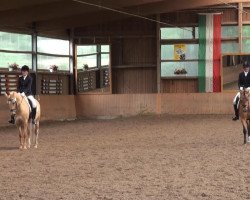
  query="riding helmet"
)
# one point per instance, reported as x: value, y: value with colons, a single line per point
x: 25, y: 68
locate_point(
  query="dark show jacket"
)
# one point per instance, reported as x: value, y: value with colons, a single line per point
x: 25, y: 85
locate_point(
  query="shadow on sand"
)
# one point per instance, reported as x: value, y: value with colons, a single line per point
x: 8, y: 148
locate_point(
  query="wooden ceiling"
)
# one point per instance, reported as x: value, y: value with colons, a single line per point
x: 57, y: 15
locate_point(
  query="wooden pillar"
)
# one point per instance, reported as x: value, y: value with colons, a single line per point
x: 99, y: 65
x: 34, y: 51
x: 75, y: 67
x: 158, y: 51
x: 72, y: 89
x: 158, y: 64
x: 71, y: 50
x: 34, y: 57
x: 240, y: 13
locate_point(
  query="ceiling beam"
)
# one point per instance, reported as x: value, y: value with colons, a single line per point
x: 64, y: 8
x: 167, y: 6
x: 143, y: 10
x: 17, y: 4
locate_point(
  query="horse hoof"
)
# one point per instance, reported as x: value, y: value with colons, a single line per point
x: 21, y: 148
x: 35, y: 147
x: 24, y: 148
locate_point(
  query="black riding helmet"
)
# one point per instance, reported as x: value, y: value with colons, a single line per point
x: 246, y: 64
x: 25, y: 68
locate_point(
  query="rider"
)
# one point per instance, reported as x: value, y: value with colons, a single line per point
x: 24, y: 88
x: 243, y: 82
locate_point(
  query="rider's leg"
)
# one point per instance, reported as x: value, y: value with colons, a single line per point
x: 33, y: 109
x: 236, y: 107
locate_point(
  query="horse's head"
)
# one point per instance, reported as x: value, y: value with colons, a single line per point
x: 244, y: 99
x: 12, y: 98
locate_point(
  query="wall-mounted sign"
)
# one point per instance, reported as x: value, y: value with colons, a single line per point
x: 180, y: 52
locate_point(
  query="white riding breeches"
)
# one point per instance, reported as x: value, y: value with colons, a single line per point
x: 237, y: 97
x: 33, y: 101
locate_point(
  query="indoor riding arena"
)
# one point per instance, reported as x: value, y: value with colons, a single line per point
x: 136, y: 99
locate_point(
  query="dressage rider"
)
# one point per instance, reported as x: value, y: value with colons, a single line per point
x: 243, y: 82
x: 24, y: 88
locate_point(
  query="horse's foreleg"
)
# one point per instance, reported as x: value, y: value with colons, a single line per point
x: 36, y: 134
x: 29, y: 128
x: 25, y: 136
x: 245, y: 130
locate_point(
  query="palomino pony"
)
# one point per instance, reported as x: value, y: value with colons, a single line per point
x: 244, y: 111
x: 19, y: 107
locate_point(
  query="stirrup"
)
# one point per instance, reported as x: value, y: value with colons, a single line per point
x: 33, y: 121
x: 235, y: 118
x: 11, y: 121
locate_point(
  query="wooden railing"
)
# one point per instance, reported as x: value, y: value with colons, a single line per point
x: 86, y: 80
x: 50, y: 86
x: 8, y: 82
x: 105, y: 77
x: 56, y: 83
x: 94, y: 79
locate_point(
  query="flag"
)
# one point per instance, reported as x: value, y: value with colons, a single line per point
x: 209, y: 52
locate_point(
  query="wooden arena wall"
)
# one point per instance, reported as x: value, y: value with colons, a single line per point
x: 141, y: 104
x: 70, y: 107
x: 54, y: 107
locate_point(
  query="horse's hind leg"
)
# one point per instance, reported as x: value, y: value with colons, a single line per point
x: 248, y: 131
x: 20, y: 137
x: 36, y: 134
x: 246, y: 138
x: 245, y: 132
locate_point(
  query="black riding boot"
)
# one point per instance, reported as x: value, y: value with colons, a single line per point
x: 12, y: 119
x: 236, y: 111
x: 33, y: 115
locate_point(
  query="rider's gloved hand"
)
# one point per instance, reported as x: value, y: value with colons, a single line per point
x: 23, y: 94
x: 241, y: 88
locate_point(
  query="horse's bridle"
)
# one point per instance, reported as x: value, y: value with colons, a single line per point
x: 14, y: 101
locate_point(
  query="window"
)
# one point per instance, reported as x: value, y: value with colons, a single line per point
x: 169, y: 68
x: 15, y: 42
x: 20, y: 58
x: 44, y: 62
x: 94, y: 56
x: 52, y: 52
x: 177, y: 33
x: 167, y: 52
x: 105, y: 51
x: 15, y: 48
x: 229, y: 47
x: 87, y: 55
x: 93, y: 63
x: 246, y: 45
x: 246, y: 38
x: 86, y: 49
x: 179, y: 52
x: 229, y: 36
x: 229, y: 32
x: 246, y: 31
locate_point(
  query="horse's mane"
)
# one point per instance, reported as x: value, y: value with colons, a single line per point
x: 15, y: 95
